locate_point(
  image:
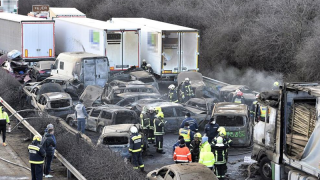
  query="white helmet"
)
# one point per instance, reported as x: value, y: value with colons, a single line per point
x: 133, y: 129
x: 151, y: 109
x: 149, y: 65
x: 172, y: 86
x: 144, y: 60
x: 187, y: 79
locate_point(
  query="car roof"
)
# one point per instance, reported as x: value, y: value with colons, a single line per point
x: 201, y: 100
x: 164, y: 104
x: 230, y: 108
x: 111, y: 108
x: 141, y: 74
x: 202, y: 171
x: 52, y: 96
x: 232, y: 87
x: 136, y: 94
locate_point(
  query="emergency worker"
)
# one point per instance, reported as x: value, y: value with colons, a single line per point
x: 222, y: 133
x: 172, y: 95
x: 220, y: 165
x: 182, y: 153
x: 207, y: 159
x: 262, y: 111
x: 177, y: 143
x: 238, y: 98
x: 4, y: 120
x: 186, y: 91
x: 186, y: 133
x: 36, y: 158
x: 135, y: 149
x: 205, y: 145
x: 150, y: 116
x: 253, y: 107
x: 211, y: 129
x: 149, y: 69
x: 275, y: 86
x: 195, y: 147
x: 145, y: 122
x: 193, y: 125
x: 159, y: 132
x: 144, y: 65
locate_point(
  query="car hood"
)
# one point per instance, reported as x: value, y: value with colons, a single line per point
x: 194, y: 110
x: 90, y: 95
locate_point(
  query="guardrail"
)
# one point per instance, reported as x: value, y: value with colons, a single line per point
x: 70, y: 168
x: 213, y: 81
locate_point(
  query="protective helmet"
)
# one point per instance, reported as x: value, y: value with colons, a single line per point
x: 222, y: 131
x: 144, y: 60
x: 50, y: 126
x: 149, y: 65
x: 238, y: 90
x: 157, y: 109
x: 133, y: 129
x: 276, y: 83
x: 151, y: 109
x: 37, y: 138
x: 257, y: 96
x: 160, y: 115
x: 219, y: 140
x: 239, y: 93
x: 172, y: 86
x: 187, y: 79
x: 198, y: 135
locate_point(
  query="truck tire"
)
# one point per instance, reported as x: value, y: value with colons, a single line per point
x: 265, y: 169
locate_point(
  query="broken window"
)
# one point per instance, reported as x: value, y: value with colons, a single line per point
x: 115, y: 140
x: 106, y: 115
x: 230, y: 120
x: 95, y: 112
x: 60, y: 103
x: 162, y: 172
x: 125, y: 117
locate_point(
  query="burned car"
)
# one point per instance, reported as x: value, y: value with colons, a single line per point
x: 112, y: 90
x: 204, y: 104
x: 174, y: 114
x: 105, y: 115
x: 138, y: 105
x: 235, y: 119
x: 127, y: 99
x: 117, y: 138
x: 184, y: 171
x: 228, y: 92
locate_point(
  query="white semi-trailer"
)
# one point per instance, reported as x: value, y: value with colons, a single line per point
x: 61, y: 12
x: 34, y: 37
x: 169, y: 48
x: 120, y: 43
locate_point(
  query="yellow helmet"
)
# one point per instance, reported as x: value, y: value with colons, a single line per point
x: 37, y: 137
x: 157, y: 109
x: 222, y: 131
x: 198, y: 135
x: 276, y: 83
x: 160, y: 115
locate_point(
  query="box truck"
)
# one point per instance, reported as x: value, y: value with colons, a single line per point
x: 55, y: 12
x: 120, y: 43
x: 34, y: 37
x: 169, y: 48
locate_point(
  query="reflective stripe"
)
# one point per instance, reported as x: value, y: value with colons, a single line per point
x: 33, y: 147
x: 185, y: 133
x: 158, y: 133
x: 181, y: 160
x: 208, y: 161
x: 137, y: 150
x: 263, y: 111
x: 141, y: 166
x: 182, y: 155
x: 136, y: 137
x: 36, y: 162
x: 135, y: 167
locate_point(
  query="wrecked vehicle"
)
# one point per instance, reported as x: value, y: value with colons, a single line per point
x: 127, y: 99
x: 287, y: 144
x: 184, y: 171
x: 174, y: 114
x: 15, y: 65
x: 228, y: 92
x: 41, y: 70
x: 235, y: 119
x: 105, y: 115
x: 138, y: 105
x: 117, y: 138
x: 113, y: 89
x: 50, y: 98
x: 203, y: 104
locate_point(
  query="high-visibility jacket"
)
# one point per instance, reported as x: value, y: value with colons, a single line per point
x: 136, y: 144
x: 205, y: 147
x: 220, y: 153
x: 263, y: 111
x: 182, y: 154
x: 186, y: 134
x: 36, y: 154
x: 4, y: 118
x: 158, y: 127
x: 186, y: 89
x: 173, y: 96
x: 207, y: 159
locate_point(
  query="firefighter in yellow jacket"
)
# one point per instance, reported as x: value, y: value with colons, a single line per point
x: 4, y: 120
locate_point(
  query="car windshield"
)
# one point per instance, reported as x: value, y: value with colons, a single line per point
x: 147, y: 80
x: 60, y: 103
x: 125, y: 117
x: 230, y: 120
x: 115, y: 140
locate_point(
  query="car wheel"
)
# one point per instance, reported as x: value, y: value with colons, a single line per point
x: 70, y: 122
x: 100, y: 129
x: 265, y: 169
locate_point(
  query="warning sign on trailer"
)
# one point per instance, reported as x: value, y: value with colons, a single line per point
x: 39, y: 8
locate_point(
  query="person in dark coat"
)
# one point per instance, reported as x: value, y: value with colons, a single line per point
x: 193, y: 125
x: 48, y: 145
x: 36, y: 157
x: 211, y: 130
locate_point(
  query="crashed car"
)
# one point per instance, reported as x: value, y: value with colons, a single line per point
x: 136, y: 75
x: 184, y: 171
x: 127, y: 99
x: 174, y: 114
x: 15, y: 65
x: 112, y: 91
x: 138, y: 105
x: 235, y: 119
x: 117, y: 138
x: 105, y: 115
x: 228, y: 92
x: 204, y: 104
x: 41, y: 70
x: 50, y: 98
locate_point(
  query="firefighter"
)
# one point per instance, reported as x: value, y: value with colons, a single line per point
x: 135, y: 149
x: 145, y: 122
x: 36, y: 158
x: 144, y: 65
x: 159, y: 132
x: 275, y: 86
x: 220, y: 166
x: 186, y: 91
x: 192, y: 123
x: 149, y: 119
x: 186, y: 133
x: 182, y: 153
x: 238, y: 98
x: 262, y: 111
x: 205, y: 145
x: 207, y: 159
x: 172, y: 96
x: 222, y: 133
x: 195, y: 147
x: 211, y: 129
x: 253, y: 108
x: 4, y: 120
x: 149, y: 69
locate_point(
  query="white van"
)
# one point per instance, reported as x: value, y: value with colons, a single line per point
x: 89, y: 69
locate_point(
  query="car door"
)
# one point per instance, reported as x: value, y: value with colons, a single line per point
x: 172, y: 123
x: 92, y: 122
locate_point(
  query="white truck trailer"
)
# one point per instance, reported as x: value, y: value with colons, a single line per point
x: 34, y: 37
x: 120, y: 43
x: 57, y: 12
x: 169, y: 48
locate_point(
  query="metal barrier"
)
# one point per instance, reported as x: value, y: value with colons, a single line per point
x: 70, y: 168
x: 213, y: 81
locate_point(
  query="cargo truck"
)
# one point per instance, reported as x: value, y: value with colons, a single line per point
x: 55, y: 12
x: 120, y: 43
x: 169, y: 48
x: 34, y: 37
x: 286, y: 144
